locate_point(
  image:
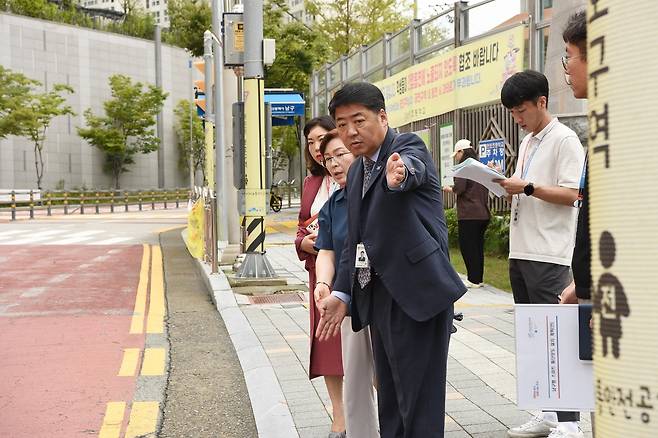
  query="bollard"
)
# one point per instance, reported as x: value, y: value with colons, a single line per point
x: 125, y: 200
x: 139, y: 200
x: 152, y: 200
x: 82, y: 202
x: 97, y: 197
x: 66, y: 203
x: 13, y: 205
x: 112, y: 201
x: 49, y: 203
x: 31, y: 204
x: 165, y: 199
x: 177, y: 195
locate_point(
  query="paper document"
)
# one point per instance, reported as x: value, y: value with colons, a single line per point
x: 549, y: 373
x: 474, y: 170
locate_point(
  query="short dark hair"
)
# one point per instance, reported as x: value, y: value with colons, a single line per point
x: 468, y: 153
x: 326, y: 123
x: 331, y: 135
x: 362, y: 93
x: 528, y: 85
x: 575, y: 32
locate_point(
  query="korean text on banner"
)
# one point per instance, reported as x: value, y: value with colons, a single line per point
x: 468, y: 75
x: 622, y: 92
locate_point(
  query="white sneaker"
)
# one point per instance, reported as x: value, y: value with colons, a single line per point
x: 560, y: 433
x: 535, y: 428
x: 470, y: 285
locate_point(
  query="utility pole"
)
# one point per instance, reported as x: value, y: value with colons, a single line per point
x: 220, y: 143
x: 255, y: 263
x: 159, y: 127
x: 208, y: 125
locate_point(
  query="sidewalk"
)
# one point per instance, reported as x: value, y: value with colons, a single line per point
x: 481, y: 389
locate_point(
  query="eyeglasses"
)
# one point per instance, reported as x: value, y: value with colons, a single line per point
x: 328, y: 161
x: 565, y: 60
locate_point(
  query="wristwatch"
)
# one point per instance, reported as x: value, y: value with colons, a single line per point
x: 529, y: 189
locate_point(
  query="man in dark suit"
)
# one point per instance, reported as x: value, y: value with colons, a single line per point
x: 406, y: 288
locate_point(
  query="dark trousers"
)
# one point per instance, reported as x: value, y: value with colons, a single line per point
x: 471, y: 245
x: 410, y: 364
x: 540, y: 283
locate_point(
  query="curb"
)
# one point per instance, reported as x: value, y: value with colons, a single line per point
x: 271, y: 413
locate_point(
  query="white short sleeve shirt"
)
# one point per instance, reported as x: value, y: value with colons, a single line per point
x: 543, y: 231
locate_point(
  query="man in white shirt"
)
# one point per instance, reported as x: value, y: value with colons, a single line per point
x: 543, y: 190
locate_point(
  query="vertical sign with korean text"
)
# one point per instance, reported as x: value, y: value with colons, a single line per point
x: 622, y: 92
x: 493, y: 151
x: 446, y: 144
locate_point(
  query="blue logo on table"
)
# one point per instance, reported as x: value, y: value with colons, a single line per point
x: 493, y: 151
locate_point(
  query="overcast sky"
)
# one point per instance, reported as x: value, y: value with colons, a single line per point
x: 481, y: 18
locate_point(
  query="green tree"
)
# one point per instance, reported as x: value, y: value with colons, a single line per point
x: 188, y: 19
x: 299, y: 49
x: 348, y: 24
x: 126, y: 128
x: 285, y: 144
x: 189, y: 138
x: 14, y: 87
x: 40, y: 110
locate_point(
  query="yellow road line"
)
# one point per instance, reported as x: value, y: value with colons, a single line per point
x: 143, y: 419
x: 154, y: 362
x: 155, y: 321
x: 113, y: 419
x: 129, y: 362
x: 137, y: 322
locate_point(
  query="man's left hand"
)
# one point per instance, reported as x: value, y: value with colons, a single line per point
x: 332, y: 311
x: 513, y: 185
x: 395, y: 171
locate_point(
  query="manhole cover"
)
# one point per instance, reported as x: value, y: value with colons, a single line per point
x: 277, y: 299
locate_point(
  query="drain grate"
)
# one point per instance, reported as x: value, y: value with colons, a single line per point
x: 277, y: 298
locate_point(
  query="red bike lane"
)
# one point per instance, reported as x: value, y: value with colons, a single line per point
x: 65, y: 317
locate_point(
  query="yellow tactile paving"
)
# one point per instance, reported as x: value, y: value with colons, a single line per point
x: 143, y: 419
x: 137, y: 322
x: 113, y: 419
x: 154, y: 362
x: 156, y: 314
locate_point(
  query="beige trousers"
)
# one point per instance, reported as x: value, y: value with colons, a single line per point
x: 359, y: 375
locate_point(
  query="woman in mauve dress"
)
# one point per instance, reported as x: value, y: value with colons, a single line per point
x: 326, y: 356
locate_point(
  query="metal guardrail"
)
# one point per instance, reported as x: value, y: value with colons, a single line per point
x: 81, y: 201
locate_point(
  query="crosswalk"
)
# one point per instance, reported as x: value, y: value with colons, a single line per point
x: 64, y: 236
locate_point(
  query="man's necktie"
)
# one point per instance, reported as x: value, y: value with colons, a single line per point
x: 363, y: 274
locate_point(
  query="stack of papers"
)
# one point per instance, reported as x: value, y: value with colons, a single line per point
x: 474, y: 170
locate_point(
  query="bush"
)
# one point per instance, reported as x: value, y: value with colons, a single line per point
x: 496, y: 238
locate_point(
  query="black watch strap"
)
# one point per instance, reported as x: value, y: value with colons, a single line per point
x: 529, y: 189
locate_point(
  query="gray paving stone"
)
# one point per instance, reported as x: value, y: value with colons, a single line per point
x: 495, y: 434
x: 476, y: 416
x: 459, y: 405
x: 313, y: 432
x: 456, y: 434
x: 486, y: 427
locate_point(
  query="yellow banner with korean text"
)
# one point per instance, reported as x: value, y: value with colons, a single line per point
x: 468, y: 75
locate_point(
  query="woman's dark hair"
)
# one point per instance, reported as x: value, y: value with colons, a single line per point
x: 361, y: 93
x: 524, y: 86
x: 575, y: 32
x: 331, y: 135
x: 324, y: 122
x: 468, y: 153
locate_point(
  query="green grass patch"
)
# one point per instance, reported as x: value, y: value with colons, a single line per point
x: 496, y: 269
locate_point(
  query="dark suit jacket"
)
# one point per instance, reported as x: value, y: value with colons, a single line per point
x: 404, y: 232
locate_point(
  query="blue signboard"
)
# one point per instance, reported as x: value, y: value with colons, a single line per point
x: 285, y: 106
x: 493, y: 151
